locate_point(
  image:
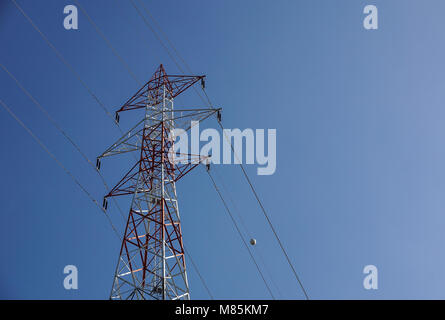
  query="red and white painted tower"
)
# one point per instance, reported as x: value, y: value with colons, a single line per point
x: 151, y: 261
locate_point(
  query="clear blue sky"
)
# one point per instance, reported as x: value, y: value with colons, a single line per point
x: 360, y: 144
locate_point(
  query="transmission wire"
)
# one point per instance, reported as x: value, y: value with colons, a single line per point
x: 59, y: 128
x: 247, y: 230
x: 240, y: 234
x: 67, y: 64
x: 43, y: 146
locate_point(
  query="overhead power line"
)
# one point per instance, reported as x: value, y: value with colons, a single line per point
x: 66, y: 63
x: 59, y: 128
x: 198, y: 273
x: 240, y: 234
x: 44, y: 147
x: 267, y: 217
x: 155, y: 34
x: 256, y: 250
x: 158, y: 37
x: 164, y: 35
x: 102, y: 35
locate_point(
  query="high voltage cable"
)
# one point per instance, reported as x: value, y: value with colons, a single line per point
x: 164, y: 35
x: 66, y: 63
x: 168, y: 40
x: 59, y: 128
x: 199, y: 273
x: 241, y: 166
x: 240, y: 234
x: 247, y: 230
x: 267, y: 217
x: 73, y: 71
x: 102, y: 35
x: 43, y: 146
x: 156, y: 35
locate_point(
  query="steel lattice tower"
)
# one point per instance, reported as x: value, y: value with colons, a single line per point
x: 151, y: 261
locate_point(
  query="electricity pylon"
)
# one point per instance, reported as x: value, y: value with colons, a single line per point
x: 151, y: 261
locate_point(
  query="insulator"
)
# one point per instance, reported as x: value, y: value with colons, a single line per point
x: 218, y: 115
x: 203, y: 83
x: 98, y: 163
x: 117, y: 117
x: 105, y: 204
x: 253, y: 241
